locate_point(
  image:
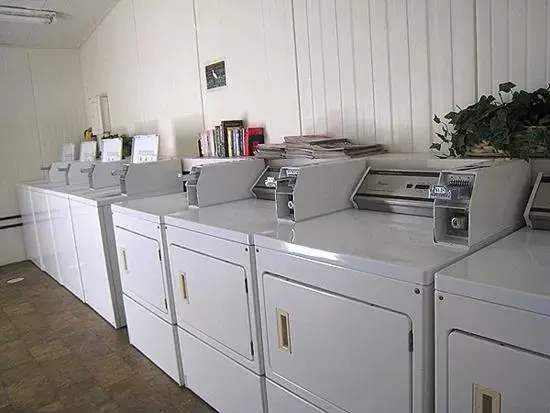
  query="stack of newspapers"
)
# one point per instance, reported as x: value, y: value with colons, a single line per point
x: 317, y: 147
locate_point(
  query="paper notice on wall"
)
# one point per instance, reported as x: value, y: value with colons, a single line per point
x: 112, y: 150
x: 67, y: 152
x: 145, y: 148
x: 88, y: 151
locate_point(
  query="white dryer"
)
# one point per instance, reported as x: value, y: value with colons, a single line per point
x: 94, y: 232
x: 144, y: 268
x: 347, y: 299
x: 213, y: 270
x: 492, y: 329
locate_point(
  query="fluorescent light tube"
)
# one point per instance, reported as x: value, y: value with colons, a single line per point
x: 22, y: 15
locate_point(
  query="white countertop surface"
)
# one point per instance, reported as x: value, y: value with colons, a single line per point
x: 514, y: 271
x: 154, y: 208
x: 235, y: 221
x: 391, y: 245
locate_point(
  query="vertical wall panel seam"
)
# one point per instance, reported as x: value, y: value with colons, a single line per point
x: 339, y: 68
x: 527, y: 43
x: 372, y: 72
x: 323, y: 66
x: 295, y: 43
x: 313, y: 117
x: 411, y: 119
x: 353, y: 51
x: 390, y: 80
x: 452, y: 55
x: 36, y: 116
x: 269, y: 103
x: 140, y: 88
x: 196, y: 29
x: 430, y: 83
x: 508, y: 41
x: 476, y: 60
x: 491, y: 45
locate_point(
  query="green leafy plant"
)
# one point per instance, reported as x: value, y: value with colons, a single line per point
x: 516, y: 125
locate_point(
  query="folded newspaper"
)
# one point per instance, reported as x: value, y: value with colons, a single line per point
x: 316, y: 147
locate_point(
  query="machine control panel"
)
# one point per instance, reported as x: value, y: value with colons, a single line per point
x: 401, y: 191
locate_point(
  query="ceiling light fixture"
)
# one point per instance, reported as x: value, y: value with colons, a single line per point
x: 24, y: 15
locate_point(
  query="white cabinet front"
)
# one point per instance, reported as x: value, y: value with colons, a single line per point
x: 65, y: 244
x: 211, y: 296
x: 140, y: 266
x: 280, y: 400
x: 45, y: 234
x: 91, y: 255
x: 32, y: 248
x: 489, y: 377
x: 342, y: 353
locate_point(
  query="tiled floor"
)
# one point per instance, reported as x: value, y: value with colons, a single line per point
x: 57, y: 355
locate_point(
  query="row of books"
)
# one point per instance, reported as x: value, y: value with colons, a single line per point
x: 230, y: 139
x: 317, y: 147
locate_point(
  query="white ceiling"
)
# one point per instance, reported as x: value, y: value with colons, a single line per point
x: 76, y: 20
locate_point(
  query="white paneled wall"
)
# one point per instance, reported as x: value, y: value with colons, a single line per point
x: 371, y: 70
x: 41, y: 106
x: 377, y: 70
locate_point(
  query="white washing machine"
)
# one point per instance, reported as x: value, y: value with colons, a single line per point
x: 30, y: 235
x: 143, y: 259
x: 63, y: 177
x: 82, y: 175
x: 94, y: 231
x: 213, y: 270
x: 347, y: 299
x: 492, y: 316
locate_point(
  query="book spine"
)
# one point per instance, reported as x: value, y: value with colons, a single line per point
x: 238, y: 141
x: 230, y: 145
x: 246, y: 142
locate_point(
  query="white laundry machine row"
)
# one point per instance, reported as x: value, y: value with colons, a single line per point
x: 346, y: 299
x: 212, y: 259
x: 492, y: 316
x: 143, y: 256
x: 94, y: 231
x: 63, y: 177
x: 82, y: 177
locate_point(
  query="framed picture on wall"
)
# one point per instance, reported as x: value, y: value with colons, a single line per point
x: 215, y: 75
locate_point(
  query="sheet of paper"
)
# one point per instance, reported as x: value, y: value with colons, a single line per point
x: 88, y: 151
x: 112, y: 150
x: 67, y: 152
x: 145, y: 148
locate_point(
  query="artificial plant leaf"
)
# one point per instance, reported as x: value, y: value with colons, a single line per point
x: 436, y: 146
x: 451, y: 116
x: 442, y: 137
x: 506, y: 87
x: 436, y: 119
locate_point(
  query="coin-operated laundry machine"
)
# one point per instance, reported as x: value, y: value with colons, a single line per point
x: 28, y: 213
x: 94, y: 232
x: 143, y: 256
x: 346, y: 299
x: 81, y: 177
x: 492, y: 312
x: 213, y: 271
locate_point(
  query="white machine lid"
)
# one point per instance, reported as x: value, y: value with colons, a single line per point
x: 235, y: 221
x: 152, y: 209
x: 514, y: 271
x: 390, y: 245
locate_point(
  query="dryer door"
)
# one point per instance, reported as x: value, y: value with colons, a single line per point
x: 489, y: 377
x: 211, y: 296
x: 140, y: 264
x: 352, y: 355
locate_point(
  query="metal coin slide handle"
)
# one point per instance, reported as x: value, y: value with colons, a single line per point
x: 124, y: 259
x: 184, y: 287
x: 283, y: 331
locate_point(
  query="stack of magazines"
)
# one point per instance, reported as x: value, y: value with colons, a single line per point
x: 316, y: 147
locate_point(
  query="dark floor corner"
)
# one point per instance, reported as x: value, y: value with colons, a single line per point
x: 57, y: 355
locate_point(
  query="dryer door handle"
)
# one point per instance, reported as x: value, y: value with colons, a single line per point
x: 124, y: 260
x: 283, y: 331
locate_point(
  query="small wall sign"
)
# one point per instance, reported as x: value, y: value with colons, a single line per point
x: 215, y: 75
